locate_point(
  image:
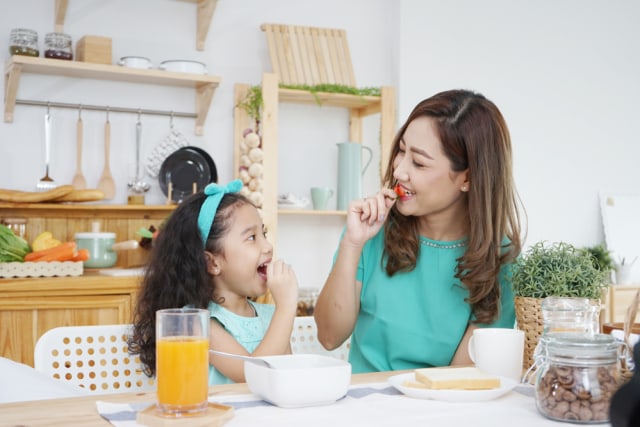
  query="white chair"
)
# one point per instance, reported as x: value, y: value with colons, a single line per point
x: 95, y: 358
x: 304, y: 339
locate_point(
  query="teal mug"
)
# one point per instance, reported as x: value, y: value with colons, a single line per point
x: 320, y: 197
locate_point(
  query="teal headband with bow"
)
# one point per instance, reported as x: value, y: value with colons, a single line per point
x: 209, y: 208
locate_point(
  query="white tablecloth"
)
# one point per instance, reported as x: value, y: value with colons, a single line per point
x: 376, y: 404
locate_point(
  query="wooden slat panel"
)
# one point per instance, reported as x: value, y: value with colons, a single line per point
x: 309, y: 55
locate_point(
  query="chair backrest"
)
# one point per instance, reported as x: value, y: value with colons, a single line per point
x: 309, y: 55
x: 92, y: 357
x: 304, y: 339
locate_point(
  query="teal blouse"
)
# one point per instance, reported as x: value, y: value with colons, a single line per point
x: 248, y: 331
x: 415, y: 319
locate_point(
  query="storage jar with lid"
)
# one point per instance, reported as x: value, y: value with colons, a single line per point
x: 23, y: 42
x: 577, y: 376
x: 565, y: 314
x: 58, y: 46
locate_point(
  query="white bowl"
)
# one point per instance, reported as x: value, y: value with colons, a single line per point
x: 299, y: 380
x: 135, y: 62
x: 183, y: 66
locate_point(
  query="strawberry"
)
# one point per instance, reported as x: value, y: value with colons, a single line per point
x: 399, y: 190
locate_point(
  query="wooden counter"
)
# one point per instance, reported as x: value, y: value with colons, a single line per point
x: 31, y: 306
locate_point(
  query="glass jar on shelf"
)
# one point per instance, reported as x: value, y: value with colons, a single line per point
x: 23, y: 42
x: 577, y: 376
x: 17, y: 225
x: 58, y: 46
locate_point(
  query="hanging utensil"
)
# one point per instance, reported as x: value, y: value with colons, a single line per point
x: 46, y: 182
x: 79, y: 182
x: 106, y: 182
x: 138, y: 185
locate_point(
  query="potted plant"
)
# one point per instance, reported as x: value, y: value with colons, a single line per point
x: 556, y: 269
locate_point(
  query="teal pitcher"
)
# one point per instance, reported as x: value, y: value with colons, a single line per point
x: 350, y: 172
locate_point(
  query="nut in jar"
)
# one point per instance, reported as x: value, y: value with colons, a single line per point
x: 577, y: 376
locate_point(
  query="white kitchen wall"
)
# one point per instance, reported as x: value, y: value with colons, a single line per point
x: 564, y: 74
x: 236, y: 51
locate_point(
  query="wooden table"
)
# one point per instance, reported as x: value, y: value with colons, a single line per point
x: 81, y: 411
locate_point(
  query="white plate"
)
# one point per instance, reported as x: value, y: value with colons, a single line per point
x: 506, y: 385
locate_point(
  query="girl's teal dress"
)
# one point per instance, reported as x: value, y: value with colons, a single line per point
x: 415, y: 319
x: 248, y: 331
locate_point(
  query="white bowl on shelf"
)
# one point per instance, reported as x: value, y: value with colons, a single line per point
x: 135, y: 62
x: 299, y: 380
x: 183, y: 66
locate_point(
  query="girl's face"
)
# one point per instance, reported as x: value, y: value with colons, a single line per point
x: 241, y: 268
x: 424, y: 172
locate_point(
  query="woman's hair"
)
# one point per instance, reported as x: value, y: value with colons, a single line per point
x: 176, y: 275
x: 474, y: 136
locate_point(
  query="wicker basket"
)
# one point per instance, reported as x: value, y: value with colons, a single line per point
x: 529, y: 318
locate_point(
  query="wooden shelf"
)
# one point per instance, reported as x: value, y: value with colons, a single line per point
x: 272, y: 95
x: 204, y: 85
x: 203, y: 20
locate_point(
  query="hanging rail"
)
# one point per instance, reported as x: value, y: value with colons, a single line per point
x: 105, y: 108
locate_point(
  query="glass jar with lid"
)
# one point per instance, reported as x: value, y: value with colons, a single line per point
x: 565, y: 314
x: 58, y: 46
x: 17, y: 225
x: 23, y: 42
x: 577, y: 376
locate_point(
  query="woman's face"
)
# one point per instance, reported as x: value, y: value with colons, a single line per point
x: 424, y: 171
x: 246, y: 251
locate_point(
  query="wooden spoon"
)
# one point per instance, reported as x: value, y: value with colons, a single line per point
x: 106, y: 183
x: 630, y: 318
x: 79, y: 182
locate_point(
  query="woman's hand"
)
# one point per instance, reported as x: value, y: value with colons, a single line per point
x: 365, y: 217
x: 283, y: 283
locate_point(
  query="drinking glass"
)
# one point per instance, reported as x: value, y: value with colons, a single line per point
x: 182, y: 362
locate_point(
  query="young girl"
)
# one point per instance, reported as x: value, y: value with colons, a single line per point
x: 213, y: 253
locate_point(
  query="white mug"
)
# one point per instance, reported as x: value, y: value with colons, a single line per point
x: 498, y: 351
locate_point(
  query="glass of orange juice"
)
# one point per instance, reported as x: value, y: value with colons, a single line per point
x: 182, y: 362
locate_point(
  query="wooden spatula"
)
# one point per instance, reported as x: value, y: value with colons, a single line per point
x: 630, y: 318
x: 79, y: 182
x: 106, y: 184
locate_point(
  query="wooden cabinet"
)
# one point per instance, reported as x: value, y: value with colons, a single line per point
x: 30, y: 307
x: 272, y: 95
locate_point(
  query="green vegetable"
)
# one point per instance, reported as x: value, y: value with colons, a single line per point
x: 12, y: 248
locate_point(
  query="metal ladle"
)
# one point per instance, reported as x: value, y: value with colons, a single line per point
x: 252, y: 359
x: 138, y: 185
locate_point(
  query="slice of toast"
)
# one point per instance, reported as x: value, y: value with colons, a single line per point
x: 463, y: 378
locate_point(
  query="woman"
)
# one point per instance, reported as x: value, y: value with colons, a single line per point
x: 416, y: 272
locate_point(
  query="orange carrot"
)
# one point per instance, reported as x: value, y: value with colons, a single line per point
x: 83, y: 255
x: 62, y: 252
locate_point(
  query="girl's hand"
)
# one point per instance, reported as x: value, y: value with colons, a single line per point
x: 365, y: 217
x: 282, y: 282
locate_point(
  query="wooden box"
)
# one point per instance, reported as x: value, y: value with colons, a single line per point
x: 94, y: 49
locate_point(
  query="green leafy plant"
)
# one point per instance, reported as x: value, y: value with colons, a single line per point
x: 334, y: 88
x: 252, y: 104
x: 601, y: 258
x: 557, y: 269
